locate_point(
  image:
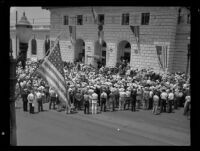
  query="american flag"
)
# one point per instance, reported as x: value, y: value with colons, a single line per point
x: 51, y: 70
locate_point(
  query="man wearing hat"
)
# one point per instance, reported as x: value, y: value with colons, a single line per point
x: 170, y: 100
x: 24, y: 95
x: 163, y: 102
x: 112, y: 99
x: 133, y: 99
x: 52, y: 94
x: 103, y: 98
x: 146, y: 98
x: 86, y: 103
x: 39, y: 99
x: 128, y: 97
x: 94, y: 102
x: 31, y: 98
x: 122, y: 96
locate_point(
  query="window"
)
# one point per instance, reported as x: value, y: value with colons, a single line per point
x: 145, y: 18
x: 33, y: 47
x: 65, y: 20
x: 101, y: 19
x: 125, y: 19
x: 79, y: 19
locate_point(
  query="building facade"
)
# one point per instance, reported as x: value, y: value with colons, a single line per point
x: 161, y: 43
x: 36, y: 46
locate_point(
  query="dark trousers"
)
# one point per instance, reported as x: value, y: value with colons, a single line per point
x: 52, y: 100
x: 169, y: 106
x: 40, y: 105
x: 86, y: 107
x: 113, y: 104
x: 117, y: 101
x: 25, y: 104
x: 133, y: 104
x: 176, y: 103
x: 31, y: 108
x: 150, y: 103
x: 162, y: 105
x: 127, y: 102
x: 103, y: 105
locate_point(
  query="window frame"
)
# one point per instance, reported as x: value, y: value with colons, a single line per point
x: 103, y: 19
x: 32, y: 47
x: 65, y: 20
x: 77, y: 18
x: 144, y: 19
x: 124, y: 17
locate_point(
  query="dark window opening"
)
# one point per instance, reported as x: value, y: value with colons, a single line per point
x: 127, y: 45
x: 127, y: 56
x: 125, y: 19
x: 101, y: 19
x: 145, y: 18
x: 33, y: 47
x: 65, y: 20
x: 79, y: 19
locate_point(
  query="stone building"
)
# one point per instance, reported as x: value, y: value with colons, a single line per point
x: 164, y: 35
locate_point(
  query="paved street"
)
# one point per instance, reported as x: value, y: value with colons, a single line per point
x: 110, y: 128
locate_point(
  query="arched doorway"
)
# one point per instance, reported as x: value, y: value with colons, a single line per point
x: 100, y: 53
x: 124, y: 51
x: 79, y: 51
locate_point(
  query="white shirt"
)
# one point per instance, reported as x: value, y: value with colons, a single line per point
x: 163, y: 95
x: 94, y: 98
x: 155, y: 98
x: 171, y: 96
x: 151, y: 94
x: 128, y: 93
x: 103, y: 95
x: 31, y: 98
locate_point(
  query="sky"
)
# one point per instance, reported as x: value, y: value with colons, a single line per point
x: 35, y: 15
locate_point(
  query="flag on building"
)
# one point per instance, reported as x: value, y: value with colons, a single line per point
x: 51, y: 70
x: 162, y: 56
x: 94, y: 15
x: 100, y: 36
x: 72, y: 32
x: 136, y: 33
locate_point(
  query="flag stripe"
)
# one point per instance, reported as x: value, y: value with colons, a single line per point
x: 53, y: 75
x: 47, y: 74
x: 49, y: 65
x: 94, y: 15
x: 51, y: 70
x: 53, y: 84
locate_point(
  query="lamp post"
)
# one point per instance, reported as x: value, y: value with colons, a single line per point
x: 23, y: 32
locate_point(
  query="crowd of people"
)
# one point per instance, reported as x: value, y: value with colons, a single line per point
x: 105, y: 89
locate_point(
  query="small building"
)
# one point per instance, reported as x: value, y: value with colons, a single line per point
x: 36, y: 46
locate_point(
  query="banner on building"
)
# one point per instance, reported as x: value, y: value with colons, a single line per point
x: 162, y: 56
x: 72, y: 32
x: 100, y: 36
x: 136, y: 33
x: 94, y: 15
